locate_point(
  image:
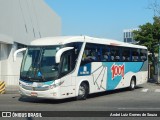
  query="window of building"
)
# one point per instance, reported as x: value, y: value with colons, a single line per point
x: 129, y: 40
x: 126, y: 34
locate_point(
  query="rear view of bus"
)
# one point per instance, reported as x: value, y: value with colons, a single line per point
x: 64, y: 67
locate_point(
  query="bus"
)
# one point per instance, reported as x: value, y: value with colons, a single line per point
x: 76, y: 66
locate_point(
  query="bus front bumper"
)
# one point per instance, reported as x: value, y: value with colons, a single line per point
x: 47, y: 94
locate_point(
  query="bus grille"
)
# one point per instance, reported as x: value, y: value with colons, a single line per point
x: 35, y: 88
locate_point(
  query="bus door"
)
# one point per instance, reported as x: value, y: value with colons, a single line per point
x: 66, y: 68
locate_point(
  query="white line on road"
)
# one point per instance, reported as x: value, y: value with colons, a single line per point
x: 139, y: 108
x: 144, y: 90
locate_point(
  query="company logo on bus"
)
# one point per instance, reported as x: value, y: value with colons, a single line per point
x: 85, y: 71
x: 117, y: 70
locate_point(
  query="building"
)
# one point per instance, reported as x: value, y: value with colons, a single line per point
x: 21, y: 22
x: 128, y: 35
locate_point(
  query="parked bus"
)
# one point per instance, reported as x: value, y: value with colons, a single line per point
x: 75, y: 66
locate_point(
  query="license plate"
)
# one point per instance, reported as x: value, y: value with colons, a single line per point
x: 34, y: 94
x: 37, y: 84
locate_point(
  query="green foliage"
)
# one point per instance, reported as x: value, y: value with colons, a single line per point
x: 149, y: 34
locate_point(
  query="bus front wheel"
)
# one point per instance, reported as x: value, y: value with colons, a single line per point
x: 132, y: 84
x: 83, y: 91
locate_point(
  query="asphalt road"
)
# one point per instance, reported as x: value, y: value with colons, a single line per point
x: 145, y: 98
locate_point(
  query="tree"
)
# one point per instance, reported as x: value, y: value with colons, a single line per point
x: 155, y: 6
x: 149, y: 36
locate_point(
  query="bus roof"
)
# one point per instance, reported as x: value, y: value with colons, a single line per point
x: 68, y: 39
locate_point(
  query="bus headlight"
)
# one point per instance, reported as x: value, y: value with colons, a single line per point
x: 20, y: 84
x: 55, y: 85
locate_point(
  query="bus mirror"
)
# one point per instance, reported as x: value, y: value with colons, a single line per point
x: 59, y: 53
x: 16, y: 52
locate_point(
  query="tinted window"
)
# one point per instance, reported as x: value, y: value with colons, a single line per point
x: 125, y: 54
x: 115, y: 53
x: 135, y: 54
x: 105, y: 53
x: 90, y: 53
x: 143, y: 55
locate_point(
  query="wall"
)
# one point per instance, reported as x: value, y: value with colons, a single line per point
x: 26, y: 20
x: 22, y: 21
x: 9, y: 70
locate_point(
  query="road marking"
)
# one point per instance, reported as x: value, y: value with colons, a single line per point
x: 139, y: 108
x: 157, y: 90
x: 153, y: 90
x: 144, y: 90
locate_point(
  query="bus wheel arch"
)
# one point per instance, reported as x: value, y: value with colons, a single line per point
x: 132, y: 83
x: 83, y: 90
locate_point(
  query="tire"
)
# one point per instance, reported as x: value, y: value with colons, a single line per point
x: 83, y: 91
x: 132, y: 84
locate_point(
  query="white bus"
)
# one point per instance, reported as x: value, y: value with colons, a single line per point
x: 75, y: 66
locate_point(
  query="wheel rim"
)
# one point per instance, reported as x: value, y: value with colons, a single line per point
x: 81, y: 91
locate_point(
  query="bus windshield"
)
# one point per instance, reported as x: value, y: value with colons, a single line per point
x: 39, y: 64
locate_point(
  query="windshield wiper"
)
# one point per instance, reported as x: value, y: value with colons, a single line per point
x: 39, y: 65
x: 33, y: 68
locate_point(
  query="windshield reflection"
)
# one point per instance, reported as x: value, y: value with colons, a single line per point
x: 39, y: 64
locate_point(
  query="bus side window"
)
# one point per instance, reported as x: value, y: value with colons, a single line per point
x: 135, y: 54
x: 115, y: 53
x: 105, y: 54
x: 143, y: 55
x: 125, y: 54
x: 89, y: 54
x: 99, y: 53
x: 66, y: 64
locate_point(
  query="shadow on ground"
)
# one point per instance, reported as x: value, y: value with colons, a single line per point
x: 152, y: 81
x: 52, y: 101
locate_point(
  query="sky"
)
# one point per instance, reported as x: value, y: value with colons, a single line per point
x: 101, y: 18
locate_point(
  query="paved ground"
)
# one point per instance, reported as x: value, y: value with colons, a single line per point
x: 144, y: 98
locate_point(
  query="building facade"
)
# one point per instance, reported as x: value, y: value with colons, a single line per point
x: 128, y: 35
x: 21, y: 22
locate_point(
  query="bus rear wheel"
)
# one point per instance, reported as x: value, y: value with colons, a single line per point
x: 83, y: 91
x: 132, y: 84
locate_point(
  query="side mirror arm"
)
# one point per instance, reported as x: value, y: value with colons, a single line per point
x: 59, y: 53
x: 16, y: 52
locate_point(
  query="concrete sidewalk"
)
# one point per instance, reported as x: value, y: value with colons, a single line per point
x: 12, y: 89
